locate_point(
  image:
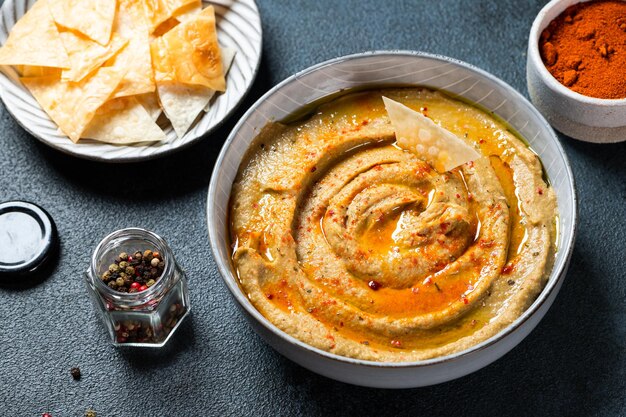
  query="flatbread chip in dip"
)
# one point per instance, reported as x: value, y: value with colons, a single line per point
x: 73, y: 105
x: 121, y: 121
x: 87, y: 55
x: 158, y: 11
x: 92, y: 18
x: 131, y: 23
x: 34, y: 40
x: 417, y: 133
x: 190, y: 54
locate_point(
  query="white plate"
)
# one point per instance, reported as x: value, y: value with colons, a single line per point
x: 238, y: 27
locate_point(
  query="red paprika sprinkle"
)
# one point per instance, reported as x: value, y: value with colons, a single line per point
x: 507, y: 269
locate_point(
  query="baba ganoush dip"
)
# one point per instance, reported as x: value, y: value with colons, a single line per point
x: 355, y: 246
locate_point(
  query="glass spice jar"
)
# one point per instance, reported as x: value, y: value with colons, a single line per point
x: 146, y: 318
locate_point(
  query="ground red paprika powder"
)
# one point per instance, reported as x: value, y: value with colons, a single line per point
x: 585, y: 48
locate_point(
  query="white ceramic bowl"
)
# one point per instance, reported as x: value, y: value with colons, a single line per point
x: 380, y: 69
x: 581, y: 117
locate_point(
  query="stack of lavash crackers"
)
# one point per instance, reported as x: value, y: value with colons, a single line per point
x: 104, y: 69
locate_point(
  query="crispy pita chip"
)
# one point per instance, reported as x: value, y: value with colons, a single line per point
x: 150, y: 102
x: 189, y: 11
x: 87, y: 55
x: 131, y: 23
x: 34, y: 40
x: 228, y: 56
x: 417, y: 133
x: 164, y: 27
x: 158, y: 11
x: 31, y: 71
x: 190, y: 54
x: 182, y: 103
x: 92, y: 18
x: 72, y: 105
x: 121, y: 121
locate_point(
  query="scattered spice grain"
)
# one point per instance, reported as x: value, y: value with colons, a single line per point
x: 75, y: 372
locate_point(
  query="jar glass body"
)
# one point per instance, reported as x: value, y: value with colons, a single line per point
x: 147, y: 318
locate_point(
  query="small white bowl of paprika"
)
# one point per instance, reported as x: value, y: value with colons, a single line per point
x: 576, y: 68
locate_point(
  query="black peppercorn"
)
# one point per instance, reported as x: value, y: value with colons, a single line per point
x: 75, y: 372
x: 134, y: 273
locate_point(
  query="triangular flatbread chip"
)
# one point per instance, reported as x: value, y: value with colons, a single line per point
x: 131, y: 23
x: 72, y: 105
x: 182, y: 104
x: 158, y: 11
x: 34, y: 40
x: 228, y: 56
x: 164, y: 27
x: 189, y: 11
x: 87, y: 55
x: 31, y: 71
x: 122, y: 121
x: 418, y: 134
x: 150, y: 101
x: 190, y: 54
x: 92, y: 18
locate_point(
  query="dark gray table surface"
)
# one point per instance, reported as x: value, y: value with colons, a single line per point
x: 573, y: 363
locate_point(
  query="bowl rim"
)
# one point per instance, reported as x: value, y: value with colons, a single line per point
x: 224, y: 266
x: 539, y: 24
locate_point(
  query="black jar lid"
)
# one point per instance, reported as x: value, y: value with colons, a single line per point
x: 27, y: 237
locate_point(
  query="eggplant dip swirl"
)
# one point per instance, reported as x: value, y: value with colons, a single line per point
x: 394, y: 229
